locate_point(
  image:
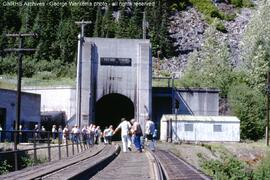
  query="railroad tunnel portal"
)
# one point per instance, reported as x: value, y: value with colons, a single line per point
x: 111, y: 108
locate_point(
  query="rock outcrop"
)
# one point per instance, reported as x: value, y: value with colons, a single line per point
x: 187, y: 28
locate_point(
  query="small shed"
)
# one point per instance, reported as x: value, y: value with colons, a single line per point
x: 30, y: 109
x: 200, y: 128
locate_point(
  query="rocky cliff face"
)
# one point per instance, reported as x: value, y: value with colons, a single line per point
x: 187, y: 29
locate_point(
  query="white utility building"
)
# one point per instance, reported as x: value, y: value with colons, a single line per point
x: 200, y: 128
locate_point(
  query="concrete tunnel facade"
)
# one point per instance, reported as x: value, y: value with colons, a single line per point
x: 116, y: 80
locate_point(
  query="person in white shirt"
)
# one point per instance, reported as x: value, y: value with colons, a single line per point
x: 54, y: 131
x: 0, y: 133
x: 149, y: 132
x: 105, y: 135
x: 60, y: 134
x: 110, y: 134
x: 76, y: 134
x: 125, y: 127
x: 65, y: 133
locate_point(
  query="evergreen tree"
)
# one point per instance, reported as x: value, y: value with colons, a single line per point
x: 108, y: 24
x: 123, y: 29
x: 157, y: 16
x: 135, y: 27
x: 46, y: 25
x: 166, y: 42
x: 98, y: 23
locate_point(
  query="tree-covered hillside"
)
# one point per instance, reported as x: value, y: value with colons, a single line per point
x: 53, y: 20
x: 57, y: 31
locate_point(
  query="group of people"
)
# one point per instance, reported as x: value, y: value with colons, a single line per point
x: 132, y: 132
x: 87, y: 134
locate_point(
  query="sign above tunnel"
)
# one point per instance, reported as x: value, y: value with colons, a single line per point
x: 112, y: 61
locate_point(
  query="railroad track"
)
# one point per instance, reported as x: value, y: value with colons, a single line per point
x: 81, y: 166
x: 171, y: 167
x: 103, y: 162
x: 127, y: 166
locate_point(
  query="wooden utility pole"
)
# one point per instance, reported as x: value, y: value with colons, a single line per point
x: 267, y: 108
x: 82, y: 24
x: 20, y: 51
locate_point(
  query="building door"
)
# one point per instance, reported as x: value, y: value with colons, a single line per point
x: 3, y: 118
x: 2, y: 122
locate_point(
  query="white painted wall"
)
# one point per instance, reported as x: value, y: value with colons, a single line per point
x: 55, y: 99
x: 203, y: 130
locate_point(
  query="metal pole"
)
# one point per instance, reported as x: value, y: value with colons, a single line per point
x: 35, y: 147
x: 59, y: 147
x: 175, y: 132
x: 171, y: 130
x: 72, y: 144
x: 267, y: 110
x: 49, y: 147
x: 173, y: 96
x: 168, y: 130
x: 77, y: 143
x: 67, y: 147
x: 15, y: 151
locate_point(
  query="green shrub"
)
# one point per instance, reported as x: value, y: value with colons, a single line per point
x: 220, y: 27
x: 45, y: 75
x: 211, y: 13
x: 228, y: 167
x: 263, y: 170
x: 216, y: 14
x: 4, y: 167
x: 229, y: 17
x: 247, y: 3
x: 248, y: 105
x: 241, y: 3
x: 237, y: 3
x: 206, y: 7
x: 174, y: 7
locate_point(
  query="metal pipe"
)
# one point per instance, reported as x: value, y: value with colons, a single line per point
x: 267, y: 110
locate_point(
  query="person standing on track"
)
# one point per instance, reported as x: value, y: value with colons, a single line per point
x: 110, y: 134
x: 137, y: 133
x: 149, y: 132
x: 125, y: 127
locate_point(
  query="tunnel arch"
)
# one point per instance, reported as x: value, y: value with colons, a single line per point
x: 111, y: 108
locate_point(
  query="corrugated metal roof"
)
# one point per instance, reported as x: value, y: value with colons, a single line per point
x: 167, y: 117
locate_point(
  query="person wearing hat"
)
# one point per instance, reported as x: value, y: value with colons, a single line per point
x: 125, y: 127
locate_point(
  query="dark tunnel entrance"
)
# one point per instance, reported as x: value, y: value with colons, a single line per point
x: 111, y: 108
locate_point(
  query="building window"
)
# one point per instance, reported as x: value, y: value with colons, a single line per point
x: 188, y: 127
x: 217, y: 128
